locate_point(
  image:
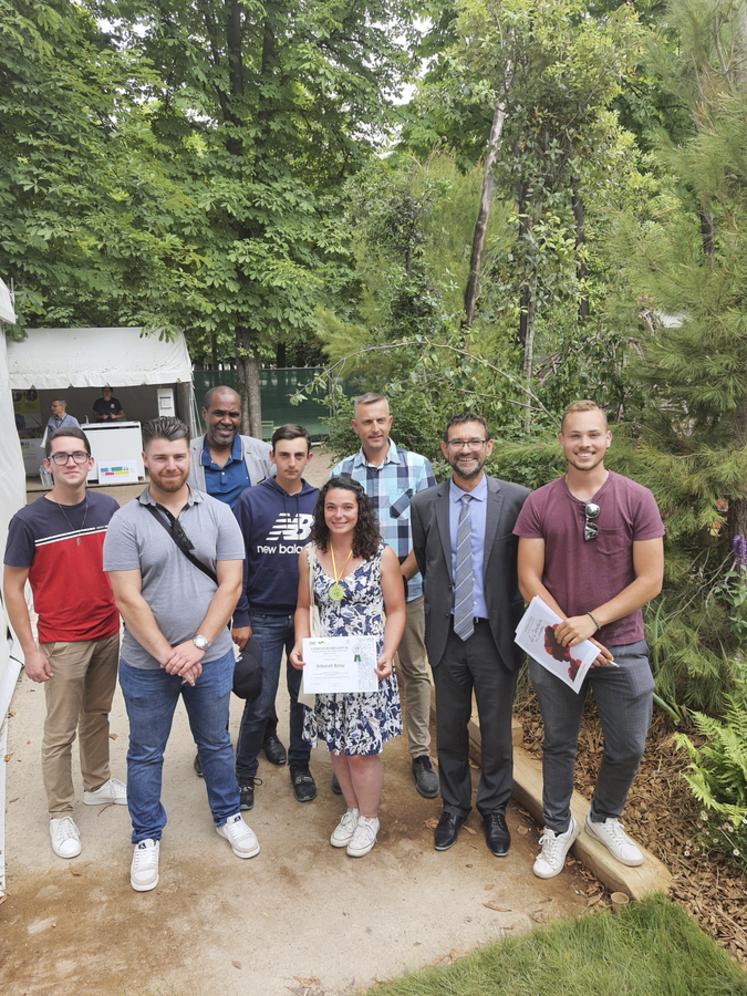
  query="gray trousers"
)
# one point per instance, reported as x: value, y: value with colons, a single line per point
x: 624, y: 700
x: 467, y: 665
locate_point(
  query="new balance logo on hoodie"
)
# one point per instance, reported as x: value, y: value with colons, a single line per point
x: 289, y: 528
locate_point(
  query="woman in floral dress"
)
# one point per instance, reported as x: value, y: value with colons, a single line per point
x: 355, y: 580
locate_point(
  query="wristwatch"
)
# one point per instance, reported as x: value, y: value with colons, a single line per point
x: 201, y: 642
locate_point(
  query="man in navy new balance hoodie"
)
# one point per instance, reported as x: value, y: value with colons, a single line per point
x: 275, y: 518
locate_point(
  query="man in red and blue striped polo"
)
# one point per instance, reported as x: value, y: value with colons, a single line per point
x: 56, y: 544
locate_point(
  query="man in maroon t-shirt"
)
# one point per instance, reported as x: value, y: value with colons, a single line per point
x: 590, y: 546
x: 56, y: 543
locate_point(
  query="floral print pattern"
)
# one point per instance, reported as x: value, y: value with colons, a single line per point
x: 354, y: 723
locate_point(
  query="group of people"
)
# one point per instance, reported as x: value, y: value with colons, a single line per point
x: 107, y: 408
x: 228, y: 545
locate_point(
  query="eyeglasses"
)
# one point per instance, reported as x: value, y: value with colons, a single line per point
x: 470, y: 444
x: 60, y: 459
x: 591, y: 512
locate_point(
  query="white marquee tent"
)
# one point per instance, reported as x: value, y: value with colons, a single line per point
x: 7, y: 311
x: 51, y: 359
x: 82, y: 361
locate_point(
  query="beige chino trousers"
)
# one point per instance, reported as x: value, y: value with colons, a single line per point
x: 412, y: 672
x: 79, y: 698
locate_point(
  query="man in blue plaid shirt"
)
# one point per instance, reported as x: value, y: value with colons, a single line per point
x: 391, y: 477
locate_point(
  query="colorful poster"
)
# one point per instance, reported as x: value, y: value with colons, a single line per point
x: 118, y: 472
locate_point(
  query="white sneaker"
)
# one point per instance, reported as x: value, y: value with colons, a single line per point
x: 617, y: 842
x: 240, y: 836
x: 554, y: 848
x: 343, y: 832
x: 364, y: 836
x: 144, y: 867
x: 112, y: 791
x: 65, y: 837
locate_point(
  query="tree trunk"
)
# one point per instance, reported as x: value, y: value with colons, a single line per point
x: 523, y: 228
x: 737, y: 518
x: 579, y: 217
x: 527, y: 294
x: 247, y: 355
x: 706, y: 231
x: 247, y: 369
x: 529, y: 297
x: 737, y: 514
x: 483, y: 214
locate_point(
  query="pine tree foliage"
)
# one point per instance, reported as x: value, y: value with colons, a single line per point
x: 692, y: 266
x: 687, y: 266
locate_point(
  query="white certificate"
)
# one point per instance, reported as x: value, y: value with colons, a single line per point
x: 333, y: 664
x: 536, y: 635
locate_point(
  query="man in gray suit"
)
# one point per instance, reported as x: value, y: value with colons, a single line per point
x: 222, y: 462
x: 464, y: 547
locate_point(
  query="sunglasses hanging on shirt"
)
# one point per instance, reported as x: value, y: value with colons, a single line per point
x: 591, y: 513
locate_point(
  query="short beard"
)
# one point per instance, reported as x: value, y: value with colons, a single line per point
x: 468, y: 475
x: 170, y: 484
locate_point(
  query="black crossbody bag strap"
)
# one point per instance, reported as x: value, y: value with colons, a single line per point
x: 185, y: 550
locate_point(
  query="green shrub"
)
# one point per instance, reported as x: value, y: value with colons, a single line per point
x: 717, y: 776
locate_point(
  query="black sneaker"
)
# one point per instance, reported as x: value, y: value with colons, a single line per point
x: 274, y: 750
x: 246, y: 792
x: 426, y: 779
x: 304, y: 786
x: 197, y: 766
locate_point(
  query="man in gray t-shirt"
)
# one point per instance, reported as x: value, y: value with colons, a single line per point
x: 176, y: 638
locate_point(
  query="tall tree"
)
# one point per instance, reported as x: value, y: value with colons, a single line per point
x: 693, y: 264
x: 281, y: 101
x: 486, y: 202
x: 538, y: 77
x: 686, y: 268
x: 61, y: 90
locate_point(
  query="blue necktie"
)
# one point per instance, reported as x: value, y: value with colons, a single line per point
x: 464, y: 612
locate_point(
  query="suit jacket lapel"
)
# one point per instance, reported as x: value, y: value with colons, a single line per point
x: 492, y: 517
x: 442, y: 518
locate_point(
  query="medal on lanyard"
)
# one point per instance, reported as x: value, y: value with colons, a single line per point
x: 336, y: 592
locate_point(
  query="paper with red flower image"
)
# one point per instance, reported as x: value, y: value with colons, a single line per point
x: 535, y: 634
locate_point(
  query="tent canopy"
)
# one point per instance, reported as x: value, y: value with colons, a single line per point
x: 49, y: 359
x: 7, y: 312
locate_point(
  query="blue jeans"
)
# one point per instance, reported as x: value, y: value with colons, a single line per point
x: 274, y: 633
x: 151, y: 697
x: 624, y: 701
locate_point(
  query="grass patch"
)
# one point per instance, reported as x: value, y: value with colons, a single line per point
x: 652, y: 948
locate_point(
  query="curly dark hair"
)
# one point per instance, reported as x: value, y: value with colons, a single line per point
x: 366, y: 536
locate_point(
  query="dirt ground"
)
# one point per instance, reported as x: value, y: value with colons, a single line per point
x: 300, y: 918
